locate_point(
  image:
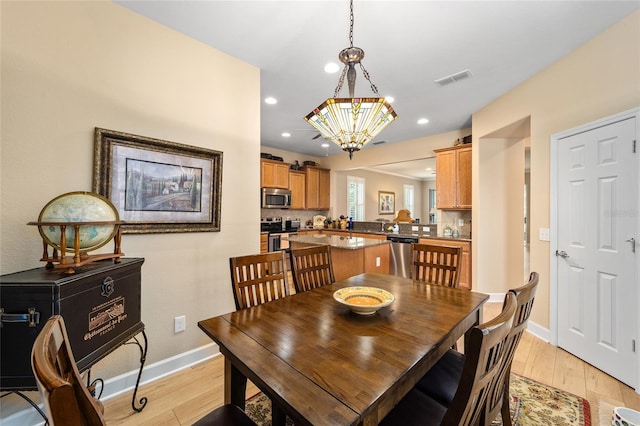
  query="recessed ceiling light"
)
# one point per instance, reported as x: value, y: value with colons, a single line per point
x: 325, y: 145
x: 423, y: 121
x: 331, y: 68
x: 390, y: 99
x: 286, y: 134
x: 270, y: 100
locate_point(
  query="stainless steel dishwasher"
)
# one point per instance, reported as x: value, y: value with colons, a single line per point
x: 400, y: 261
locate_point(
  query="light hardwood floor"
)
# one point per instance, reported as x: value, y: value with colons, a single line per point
x: 184, y: 397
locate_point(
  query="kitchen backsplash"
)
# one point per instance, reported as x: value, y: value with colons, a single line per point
x: 304, y: 215
x: 456, y: 219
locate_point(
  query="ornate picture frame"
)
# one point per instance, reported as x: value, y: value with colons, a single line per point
x: 158, y: 186
x: 386, y: 202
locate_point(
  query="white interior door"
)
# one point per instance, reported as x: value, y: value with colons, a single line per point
x: 597, y: 234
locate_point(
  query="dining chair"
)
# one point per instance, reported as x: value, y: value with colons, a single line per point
x: 436, y: 264
x: 442, y: 380
x: 258, y: 278
x: 311, y: 267
x: 482, y: 363
x: 66, y: 399
x: 498, y: 397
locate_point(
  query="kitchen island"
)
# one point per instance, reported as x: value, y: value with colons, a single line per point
x: 349, y: 255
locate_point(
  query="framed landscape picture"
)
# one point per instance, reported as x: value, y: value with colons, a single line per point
x: 158, y: 186
x: 386, y: 202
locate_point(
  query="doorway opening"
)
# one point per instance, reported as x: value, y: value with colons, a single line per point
x: 502, y: 205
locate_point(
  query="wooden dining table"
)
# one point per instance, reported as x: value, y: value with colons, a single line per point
x: 325, y: 365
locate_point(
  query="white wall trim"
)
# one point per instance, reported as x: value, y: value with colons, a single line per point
x: 120, y: 384
x: 539, y: 331
x: 532, y: 327
x: 496, y: 297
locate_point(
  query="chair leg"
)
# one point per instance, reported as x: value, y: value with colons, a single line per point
x: 278, y: 416
x: 505, y: 411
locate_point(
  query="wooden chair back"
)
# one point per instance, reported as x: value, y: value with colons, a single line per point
x: 311, y: 267
x: 483, y: 359
x: 436, y: 264
x: 498, y: 398
x: 66, y: 399
x: 258, y: 278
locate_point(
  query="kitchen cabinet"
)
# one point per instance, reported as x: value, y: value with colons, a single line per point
x: 274, y: 174
x: 264, y: 242
x: 317, y: 188
x: 465, y: 263
x: 297, y: 182
x: 453, y: 178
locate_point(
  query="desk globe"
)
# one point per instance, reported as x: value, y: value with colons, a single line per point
x: 93, y: 217
x: 79, y: 207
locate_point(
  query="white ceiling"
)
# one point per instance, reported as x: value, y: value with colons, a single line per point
x: 408, y: 45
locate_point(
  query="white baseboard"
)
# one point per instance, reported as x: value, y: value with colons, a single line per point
x: 112, y: 387
x: 496, y: 297
x: 539, y: 331
x: 533, y: 328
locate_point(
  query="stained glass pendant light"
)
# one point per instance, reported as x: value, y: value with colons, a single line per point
x: 352, y: 122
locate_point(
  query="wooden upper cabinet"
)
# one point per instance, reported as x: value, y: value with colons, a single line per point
x: 453, y: 178
x: 317, y: 187
x: 274, y: 174
x: 297, y: 185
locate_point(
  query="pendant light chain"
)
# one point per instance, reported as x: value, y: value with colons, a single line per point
x: 351, y: 24
x: 351, y: 122
x: 365, y: 73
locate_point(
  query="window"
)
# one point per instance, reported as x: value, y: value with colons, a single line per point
x: 433, y: 217
x: 355, y: 197
x: 409, y: 203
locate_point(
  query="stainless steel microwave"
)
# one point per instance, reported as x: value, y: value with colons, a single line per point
x: 275, y: 198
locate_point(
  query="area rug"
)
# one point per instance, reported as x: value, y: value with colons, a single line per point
x: 532, y: 404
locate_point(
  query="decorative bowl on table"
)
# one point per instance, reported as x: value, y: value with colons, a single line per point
x: 364, y: 300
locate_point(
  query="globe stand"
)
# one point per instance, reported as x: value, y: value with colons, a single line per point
x: 79, y: 258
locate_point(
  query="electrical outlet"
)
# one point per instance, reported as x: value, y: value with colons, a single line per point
x: 544, y: 234
x: 378, y: 262
x: 179, y: 324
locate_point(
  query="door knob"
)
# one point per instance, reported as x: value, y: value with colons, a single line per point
x: 563, y: 254
x: 633, y: 244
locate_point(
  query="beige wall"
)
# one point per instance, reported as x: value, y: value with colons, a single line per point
x: 600, y: 78
x: 68, y: 67
x: 375, y: 182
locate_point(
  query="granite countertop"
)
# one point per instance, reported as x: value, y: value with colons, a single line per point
x: 465, y: 238
x: 340, y: 242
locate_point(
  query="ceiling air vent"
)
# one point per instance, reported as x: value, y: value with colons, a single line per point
x: 453, y: 78
x: 378, y: 142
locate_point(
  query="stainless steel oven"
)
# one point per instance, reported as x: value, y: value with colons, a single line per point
x: 272, y: 225
x: 274, y: 242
